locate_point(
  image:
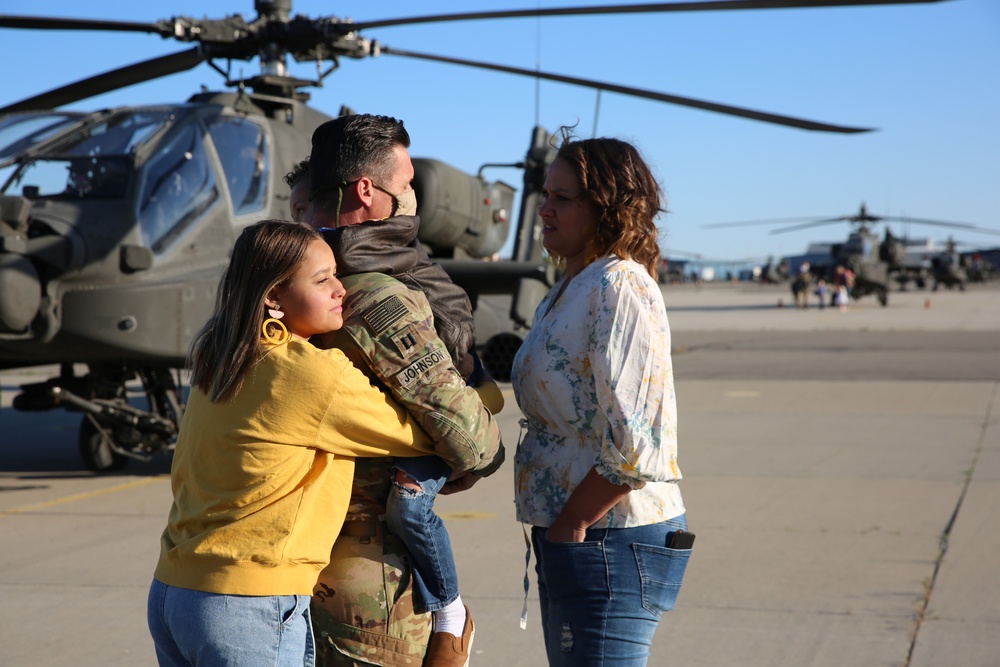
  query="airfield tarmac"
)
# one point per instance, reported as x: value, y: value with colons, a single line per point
x: 842, y: 473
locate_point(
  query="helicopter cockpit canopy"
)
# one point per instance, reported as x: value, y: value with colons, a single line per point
x: 175, y: 156
x: 179, y: 182
x: 860, y: 244
x: 178, y: 185
x: 94, y: 162
x: 18, y: 132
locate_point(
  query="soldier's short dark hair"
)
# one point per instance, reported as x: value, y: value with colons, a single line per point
x: 349, y: 147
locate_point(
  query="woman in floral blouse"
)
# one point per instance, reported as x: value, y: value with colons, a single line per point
x: 596, y: 469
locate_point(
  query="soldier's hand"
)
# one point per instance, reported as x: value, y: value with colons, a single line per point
x: 462, y: 483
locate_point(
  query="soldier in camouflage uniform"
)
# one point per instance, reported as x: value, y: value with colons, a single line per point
x: 363, y: 605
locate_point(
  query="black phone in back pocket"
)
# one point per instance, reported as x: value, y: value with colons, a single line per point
x: 681, y: 539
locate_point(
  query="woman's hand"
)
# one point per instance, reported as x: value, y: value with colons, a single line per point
x: 564, y: 531
x: 590, y: 501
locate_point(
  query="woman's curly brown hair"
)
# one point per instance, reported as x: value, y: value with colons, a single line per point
x: 623, y: 194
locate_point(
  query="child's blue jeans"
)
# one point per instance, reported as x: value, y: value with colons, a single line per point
x: 411, y: 518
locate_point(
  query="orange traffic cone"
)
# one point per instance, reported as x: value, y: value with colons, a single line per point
x: 927, y: 303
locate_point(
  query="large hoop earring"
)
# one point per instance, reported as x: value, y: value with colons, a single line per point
x: 279, y: 337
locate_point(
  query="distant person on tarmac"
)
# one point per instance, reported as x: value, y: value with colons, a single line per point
x: 821, y: 293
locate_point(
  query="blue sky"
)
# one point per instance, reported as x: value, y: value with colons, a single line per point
x: 928, y: 76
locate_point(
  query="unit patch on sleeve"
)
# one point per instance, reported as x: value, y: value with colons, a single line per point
x: 385, y: 314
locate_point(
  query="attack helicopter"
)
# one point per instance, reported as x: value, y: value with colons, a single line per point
x: 952, y: 268
x: 116, y: 224
x: 874, y: 261
x: 947, y: 268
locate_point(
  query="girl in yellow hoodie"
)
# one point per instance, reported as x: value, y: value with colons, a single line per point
x: 264, y: 461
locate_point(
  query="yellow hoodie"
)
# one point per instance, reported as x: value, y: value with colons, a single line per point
x: 262, y: 482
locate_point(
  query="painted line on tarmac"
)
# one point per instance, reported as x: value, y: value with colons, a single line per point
x: 83, y: 496
x: 467, y: 516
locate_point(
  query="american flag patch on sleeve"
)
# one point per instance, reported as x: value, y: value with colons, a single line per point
x: 385, y: 314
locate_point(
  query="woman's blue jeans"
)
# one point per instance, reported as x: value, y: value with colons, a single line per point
x: 602, y: 598
x: 193, y: 628
x: 410, y: 516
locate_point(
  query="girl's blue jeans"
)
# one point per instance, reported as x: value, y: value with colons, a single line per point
x: 193, y: 628
x: 411, y: 518
x: 601, y: 599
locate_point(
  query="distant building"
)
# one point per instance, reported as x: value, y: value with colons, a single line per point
x: 817, y: 256
x: 919, y: 254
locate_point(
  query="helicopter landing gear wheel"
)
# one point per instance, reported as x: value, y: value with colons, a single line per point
x: 883, y: 297
x: 95, y: 449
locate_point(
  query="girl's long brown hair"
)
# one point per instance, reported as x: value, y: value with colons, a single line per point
x: 265, y: 256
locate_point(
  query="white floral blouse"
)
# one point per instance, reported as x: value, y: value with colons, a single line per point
x: 595, y: 382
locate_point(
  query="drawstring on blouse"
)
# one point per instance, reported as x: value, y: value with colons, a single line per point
x: 523, y: 423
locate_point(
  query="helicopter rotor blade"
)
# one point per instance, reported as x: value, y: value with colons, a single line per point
x: 112, y: 80
x: 815, y: 223
x: 863, y: 217
x: 941, y: 223
x: 769, y: 221
x: 658, y: 7
x: 668, y: 252
x: 637, y: 92
x: 44, y: 23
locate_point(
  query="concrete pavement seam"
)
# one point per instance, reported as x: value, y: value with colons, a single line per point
x: 943, y: 542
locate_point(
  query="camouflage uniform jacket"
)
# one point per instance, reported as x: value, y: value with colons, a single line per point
x: 362, y: 606
x: 391, y: 247
x: 389, y: 334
